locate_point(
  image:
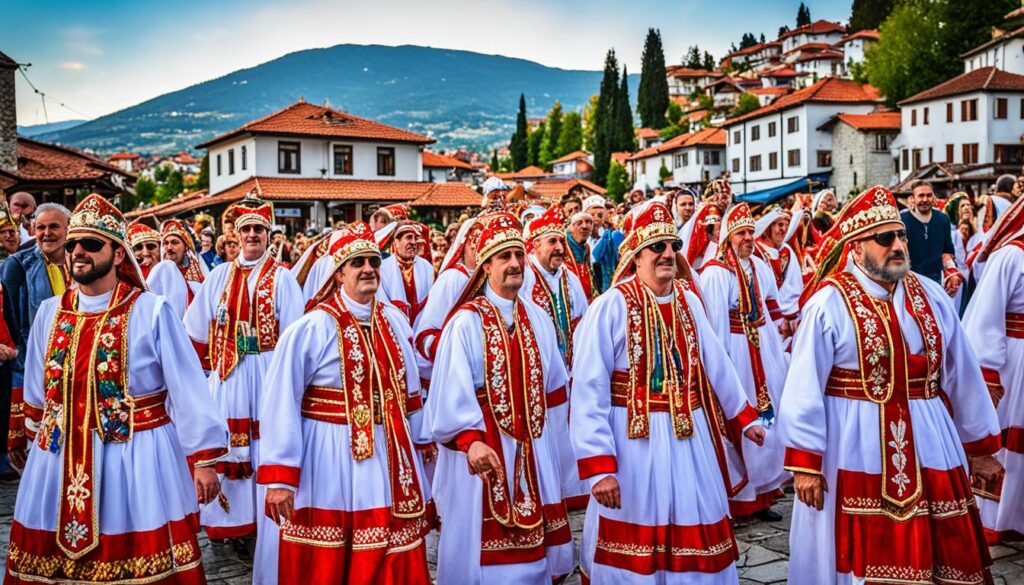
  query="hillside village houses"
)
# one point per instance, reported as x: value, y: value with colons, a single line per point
x: 861, y: 154
x: 693, y: 159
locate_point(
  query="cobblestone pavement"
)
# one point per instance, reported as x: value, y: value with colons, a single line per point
x: 764, y: 548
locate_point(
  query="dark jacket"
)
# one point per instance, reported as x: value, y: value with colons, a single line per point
x: 26, y: 286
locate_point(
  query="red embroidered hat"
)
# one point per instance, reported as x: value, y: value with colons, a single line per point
x: 707, y: 214
x: 716, y: 188
x: 251, y: 211
x: 737, y: 218
x: 175, y: 227
x: 552, y: 221
x: 467, y: 235
x: 872, y: 208
x: 501, y: 231
x: 139, y: 232
x: 95, y: 216
x: 354, y: 239
x: 1009, y: 227
x: 652, y: 224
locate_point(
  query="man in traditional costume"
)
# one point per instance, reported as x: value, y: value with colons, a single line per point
x: 145, y: 244
x: 604, y: 243
x: 340, y: 431
x: 884, y: 416
x: 740, y: 296
x: 405, y: 276
x: 498, y: 482
x: 700, y: 235
x: 578, y: 260
x: 552, y: 287
x: 234, y: 323
x: 994, y: 323
x: 180, y: 274
x: 651, y: 406
x: 770, y: 246
x: 106, y: 495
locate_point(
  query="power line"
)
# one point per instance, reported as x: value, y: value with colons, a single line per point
x: 43, y: 96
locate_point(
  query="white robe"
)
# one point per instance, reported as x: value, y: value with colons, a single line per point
x: 144, y: 484
x: 792, y: 282
x: 239, y: 396
x: 675, y: 484
x: 846, y: 431
x: 441, y: 300
x: 318, y: 451
x: 392, y: 286
x: 1001, y: 291
x: 721, y: 294
x: 452, y: 408
x: 165, y: 279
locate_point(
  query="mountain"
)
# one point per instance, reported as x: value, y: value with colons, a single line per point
x: 461, y: 98
x: 37, y: 129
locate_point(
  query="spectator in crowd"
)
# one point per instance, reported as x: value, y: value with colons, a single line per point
x: 9, y: 242
x: 23, y: 207
x: 207, y: 251
x: 227, y: 247
x: 1005, y: 186
x: 960, y: 211
x: 29, y: 277
x: 930, y: 239
x: 571, y: 205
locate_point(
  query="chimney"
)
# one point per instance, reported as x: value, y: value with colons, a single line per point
x: 8, y: 116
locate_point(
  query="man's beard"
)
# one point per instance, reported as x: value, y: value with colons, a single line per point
x: 94, y: 273
x: 885, y: 273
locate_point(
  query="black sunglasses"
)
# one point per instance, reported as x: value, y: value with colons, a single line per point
x: 359, y: 261
x: 91, y: 245
x: 886, y: 239
x: 659, y: 247
x: 148, y: 246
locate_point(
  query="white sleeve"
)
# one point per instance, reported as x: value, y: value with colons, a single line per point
x: 166, y: 280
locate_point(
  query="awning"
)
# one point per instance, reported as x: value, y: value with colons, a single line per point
x: 807, y: 184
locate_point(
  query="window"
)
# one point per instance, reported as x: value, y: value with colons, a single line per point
x: 773, y: 161
x: 736, y: 137
x: 288, y: 158
x: 755, y: 133
x: 681, y: 160
x: 231, y: 161
x: 712, y: 157
x: 970, y: 154
x: 735, y: 165
x: 906, y: 159
x: 949, y: 153
x: 855, y: 182
x: 792, y: 125
x: 925, y: 122
x: 881, y: 142
x: 1001, y: 108
x: 949, y: 112
x: 771, y: 129
x: 342, y: 159
x: 913, y: 117
x: 969, y: 110
x: 824, y: 158
x: 755, y: 163
x: 245, y: 162
x: 219, y: 165
x: 793, y: 156
x: 386, y: 161
x: 916, y: 154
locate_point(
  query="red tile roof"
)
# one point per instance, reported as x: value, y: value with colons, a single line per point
x: 124, y: 156
x: 182, y: 203
x: 304, y: 119
x: 819, y: 27
x: 826, y: 90
x: 646, y: 133
x: 553, y: 189
x: 997, y: 40
x: 706, y: 136
x: 769, y: 91
x: 828, y: 55
x: 987, y: 79
x: 871, y: 34
x: 873, y: 121
x: 578, y: 154
x: 434, y: 160
x: 688, y: 72
x: 620, y: 157
x: 530, y: 171
x: 781, y: 72
x: 809, y: 47
x: 754, y: 49
x: 448, y: 195
x: 184, y: 158
x: 275, y: 188
x: 42, y: 162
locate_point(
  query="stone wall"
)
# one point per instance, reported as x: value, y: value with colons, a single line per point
x: 8, y: 122
x: 855, y: 163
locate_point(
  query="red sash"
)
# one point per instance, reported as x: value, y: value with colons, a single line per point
x: 583, y: 271
x: 546, y: 299
x: 884, y: 378
x: 373, y: 373
x: 86, y: 389
x: 238, y: 327
x: 411, y: 307
x: 650, y: 328
x: 513, y: 402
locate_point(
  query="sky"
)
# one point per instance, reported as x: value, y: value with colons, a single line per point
x: 98, y: 57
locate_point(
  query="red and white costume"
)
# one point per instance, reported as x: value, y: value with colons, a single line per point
x: 180, y: 283
x: 867, y: 405
x: 741, y: 301
x: 785, y: 265
x: 698, y: 247
x: 562, y: 298
x: 994, y: 324
x: 666, y: 448
x: 342, y: 433
x: 405, y: 283
x: 501, y: 366
x: 234, y: 322
x: 115, y: 402
x: 140, y: 233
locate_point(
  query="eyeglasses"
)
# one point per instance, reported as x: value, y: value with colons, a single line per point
x: 659, y: 247
x: 254, y: 228
x: 886, y: 239
x: 91, y: 245
x: 148, y: 246
x: 359, y: 261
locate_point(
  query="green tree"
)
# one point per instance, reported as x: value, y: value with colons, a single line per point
x: 494, y: 161
x: 552, y: 130
x: 673, y: 114
x: 145, y: 190
x: 203, y: 180
x: 604, y: 118
x: 652, y: 95
x: 618, y: 182
x: 783, y: 30
x: 570, y: 139
x: 672, y: 130
x: 625, y: 133
x: 663, y: 173
x: 748, y: 103
x: 533, y: 146
x: 803, y: 15
x: 519, y: 148
x: 869, y: 14
x: 589, y: 122
x: 692, y: 57
x: 748, y: 40
x: 709, y: 62
x: 171, y: 188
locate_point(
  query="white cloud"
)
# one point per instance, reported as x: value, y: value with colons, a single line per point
x: 72, y: 66
x: 82, y: 40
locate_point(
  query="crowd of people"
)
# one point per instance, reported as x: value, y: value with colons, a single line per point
x: 665, y: 366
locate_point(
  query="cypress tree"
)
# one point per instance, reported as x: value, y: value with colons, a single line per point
x: 552, y: 131
x: 604, y: 118
x: 625, y: 137
x: 652, y: 96
x: 518, y: 148
x: 803, y: 15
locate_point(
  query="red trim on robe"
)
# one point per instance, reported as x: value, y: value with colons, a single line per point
x: 746, y: 416
x: 203, y: 351
x: 220, y: 532
x: 740, y: 508
x: 577, y: 503
x: 557, y: 397
x: 278, y: 474
x: 800, y: 460
x: 987, y: 446
x: 596, y: 465
x: 1013, y: 440
x: 465, y: 439
x: 704, y: 548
